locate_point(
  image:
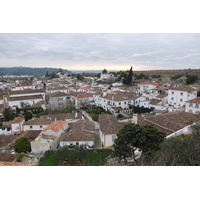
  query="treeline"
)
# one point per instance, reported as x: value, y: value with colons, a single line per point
x: 27, y: 71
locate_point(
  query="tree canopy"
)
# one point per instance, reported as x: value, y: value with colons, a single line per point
x: 27, y: 115
x: 22, y: 145
x: 128, y: 78
x: 191, y: 79
x: 133, y: 136
x: 8, y: 114
x: 80, y: 77
x: 104, y: 71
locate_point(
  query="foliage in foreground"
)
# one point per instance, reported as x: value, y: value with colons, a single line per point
x: 177, y: 151
x: 90, y: 158
x: 133, y: 137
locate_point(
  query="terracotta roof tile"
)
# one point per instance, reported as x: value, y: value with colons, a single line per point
x: 196, y: 100
x: 55, y: 126
x: 184, y: 88
x: 38, y: 121
x: 18, y: 120
x: 30, y: 134
x: 169, y: 122
x: 25, y: 97
x: 109, y: 124
x: 17, y: 164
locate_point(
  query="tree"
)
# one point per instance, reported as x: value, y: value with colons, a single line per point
x: 22, y: 145
x: 28, y: 115
x: 191, y: 79
x: 80, y: 77
x: 130, y: 77
x: 104, y: 71
x: 8, y: 114
x: 47, y: 74
x: 133, y: 136
x: 125, y: 79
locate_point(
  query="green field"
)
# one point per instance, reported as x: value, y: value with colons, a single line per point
x: 90, y: 158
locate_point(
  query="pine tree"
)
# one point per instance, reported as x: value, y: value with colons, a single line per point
x: 130, y: 77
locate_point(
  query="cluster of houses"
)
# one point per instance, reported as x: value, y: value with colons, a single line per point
x: 175, y: 110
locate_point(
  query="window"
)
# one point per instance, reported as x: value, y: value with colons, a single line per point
x: 190, y: 105
x: 181, y: 93
x: 181, y: 100
x: 77, y: 143
x: 60, y: 99
x: 125, y: 102
x: 113, y: 138
x: 31, y: 127
x: 67, y: 97
x: 119, y: 103
x: 40, y: 126
x: 197, y: 105
x: 172, y: 92
x: 172, y: 98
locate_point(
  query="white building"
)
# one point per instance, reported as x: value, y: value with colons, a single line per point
x: 147, y: 86
x: 16, y: 125
x: 48, y: 138
x: 193, y: 106
x: 109, y: 128
x: 118, y: 99
x: 106, y: 76
x: 36, y: 124
x: 14, y: 102
x: 179, y: 95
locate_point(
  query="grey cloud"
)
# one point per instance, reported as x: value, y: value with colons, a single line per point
x: 162, y: 50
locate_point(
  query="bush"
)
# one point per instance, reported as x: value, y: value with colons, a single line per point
x: 22, y: 145
x: 120, y: 116
x: 19, y: 156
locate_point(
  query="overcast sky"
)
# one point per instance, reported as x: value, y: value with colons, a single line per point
x: 99, y: 51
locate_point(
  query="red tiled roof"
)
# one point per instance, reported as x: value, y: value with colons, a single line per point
x: 149, y: 83
x: 55, y: 126
x: 17, y: 164
x: 196, y: 100
x: 17, y: 120
x: 84, y: 95
x: 26, y: 84
x: 86, y: 88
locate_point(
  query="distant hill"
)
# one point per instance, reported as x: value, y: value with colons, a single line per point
x: 27, y: 71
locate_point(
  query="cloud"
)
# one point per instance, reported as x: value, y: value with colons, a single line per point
x: 96, y: 50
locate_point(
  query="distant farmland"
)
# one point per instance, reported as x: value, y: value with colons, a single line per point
x: 170, y: 73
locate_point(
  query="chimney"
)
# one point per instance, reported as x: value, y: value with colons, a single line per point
x: 76, y: 114
x: 135, y: 118
x: 55, y: 119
